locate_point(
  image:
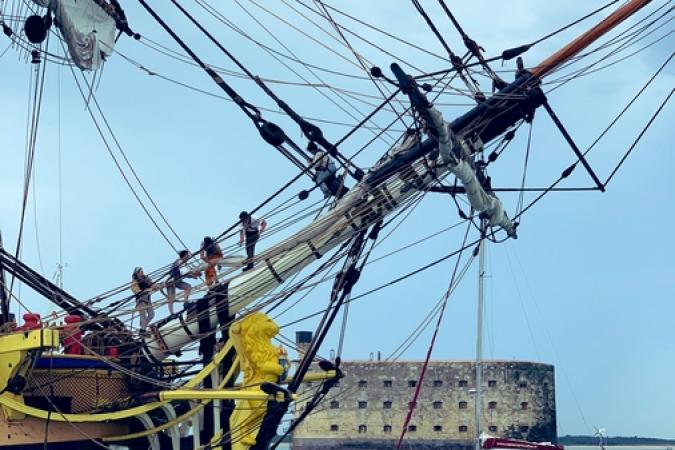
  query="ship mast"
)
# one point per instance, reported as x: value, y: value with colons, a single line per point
x: 4, y: 298
x: 479, y: 335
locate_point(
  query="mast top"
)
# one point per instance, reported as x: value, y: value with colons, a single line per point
x: 586, y: 39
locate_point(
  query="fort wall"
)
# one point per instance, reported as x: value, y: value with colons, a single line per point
x: 368, y: 407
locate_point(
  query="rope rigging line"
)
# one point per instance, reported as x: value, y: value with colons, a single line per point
x: 367, y: 144
x: 379, y: 30
x: 420, y: 378
x: 270, y: 132
x: 629, y: 104
x: 34, y: 110
x: 309, y: 69
x: 587, y: 72
x: 360, y: 59
x: 128, y: 163
x: 516, y: 51
x: 341, y: 42
x: 475, y: 49
x: 521, y: 195
x: 307, y: 35
x: 117, y: 164
x: 571, y: 168
x: 412, y: 337
x: 355, y: 95
x: 311, y: 131
x: 637, y: 139
x: 454, y: 59
x: 630, y: 35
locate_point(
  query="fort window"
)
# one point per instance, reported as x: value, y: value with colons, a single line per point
x: 363, y: 405
x: 386, y: 405
x: 463, y: 428
x: 463, y: 383
x: 523, y: 405
x: 438, y: 405
x: 492, y: 383
x: 387, y: 383
x: 387, y: 428
x: 438, y: 383
x: 492, y: 428
x: 524, y: 428
x: 462, y: 405
x: 492, y: 405
x: 363, y: 428
x: 438, y: 428
x: 334, y: 427
x: 522, y: 384
x: 412, y: 428
x: 334, y: 404
x: 363, y: 384
x: 412, y: 383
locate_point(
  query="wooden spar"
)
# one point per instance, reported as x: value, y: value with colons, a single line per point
x: 4, y: 296
x: 586, y: 39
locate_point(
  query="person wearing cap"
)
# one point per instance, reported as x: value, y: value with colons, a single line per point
x: 250, y: 231
x: 325, y: 169
x: 142, y: 286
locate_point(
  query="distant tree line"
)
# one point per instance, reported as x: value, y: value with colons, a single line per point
x: 617, y: 440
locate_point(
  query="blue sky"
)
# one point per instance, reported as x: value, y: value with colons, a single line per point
x: 588, y: 286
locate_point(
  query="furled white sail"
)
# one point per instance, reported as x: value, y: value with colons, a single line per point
x: 480, y: 200
x: 89, y: 31
x: 360, y: 208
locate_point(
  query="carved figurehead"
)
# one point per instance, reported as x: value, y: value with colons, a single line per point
x: 259, y: 360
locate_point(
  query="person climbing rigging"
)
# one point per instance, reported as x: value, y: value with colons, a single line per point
x: 325, y: 169
x: 142, y: 286
x: 250, y: 231
x: 177, y: 273
x: 211, y: 254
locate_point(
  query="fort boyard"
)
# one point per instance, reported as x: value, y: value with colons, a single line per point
x: 368, y: 408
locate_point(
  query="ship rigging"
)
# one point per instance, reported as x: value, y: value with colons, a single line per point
x: 225, y: 327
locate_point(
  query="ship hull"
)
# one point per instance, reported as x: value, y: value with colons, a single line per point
x: 30, y: 433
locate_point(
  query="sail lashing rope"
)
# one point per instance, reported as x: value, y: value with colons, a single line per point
x: 342, y: 287
x: 311, y: 131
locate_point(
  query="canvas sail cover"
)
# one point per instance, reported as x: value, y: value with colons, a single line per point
x: 479, y: 199
x: 89, y: 31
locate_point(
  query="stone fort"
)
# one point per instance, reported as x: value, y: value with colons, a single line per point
x: 368, y: 407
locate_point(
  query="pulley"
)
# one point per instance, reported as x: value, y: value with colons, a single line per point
x: 272, y: 134
x: 36, y: 28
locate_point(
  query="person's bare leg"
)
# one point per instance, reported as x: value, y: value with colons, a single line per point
x: 170, y: 298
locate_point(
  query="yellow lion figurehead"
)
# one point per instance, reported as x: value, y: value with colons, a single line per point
x: 252, y: 338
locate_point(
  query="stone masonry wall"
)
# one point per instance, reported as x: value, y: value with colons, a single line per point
x: 368, y: 408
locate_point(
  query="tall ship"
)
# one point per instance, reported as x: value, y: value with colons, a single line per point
x: 111, y: 372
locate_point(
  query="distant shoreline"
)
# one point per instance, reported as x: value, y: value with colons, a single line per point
x: 614, y: 441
